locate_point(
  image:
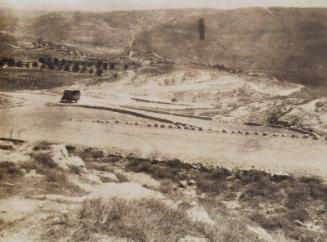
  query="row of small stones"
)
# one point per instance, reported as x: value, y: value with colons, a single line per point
x: 193, y: 128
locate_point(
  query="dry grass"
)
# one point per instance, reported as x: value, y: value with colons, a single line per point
x: 144, y: 220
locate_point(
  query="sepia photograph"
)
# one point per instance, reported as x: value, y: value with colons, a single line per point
x: 163, y: 121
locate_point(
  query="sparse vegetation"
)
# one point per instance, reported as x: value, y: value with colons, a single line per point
x: 257, y: 189
x: 144, y: 220
x: 282, y: 203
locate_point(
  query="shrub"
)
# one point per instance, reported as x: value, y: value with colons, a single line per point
x: 75, y: 169
x: 166, y: 186
x: 178, y: 164
x: 99, y: 167
x: 67, y: 67
x: 19, y: 64
x: 76, y: 67
x: 56, y: 177
x: 112, y: 159
x: 280, y: 178
x: 71, y: 149
x: 310, y: 180
x: 121, y: 177
x: 300, y: 214
x: 210, y: 186
x: 9, y: 168
x: 41, y: 146
x: 271, y: 223
x: 91, y: 154
x: 297, y: 198
x: 99, y: 71
x: 57, y: 182
x: 251, y: 176
x: 220, y: 173
x: 45, y: 160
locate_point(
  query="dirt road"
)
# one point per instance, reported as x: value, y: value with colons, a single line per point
x: 73, y: 125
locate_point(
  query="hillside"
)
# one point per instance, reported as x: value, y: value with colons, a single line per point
x: 287, y: 43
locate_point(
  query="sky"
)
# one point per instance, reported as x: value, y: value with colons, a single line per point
x: 107, y: 5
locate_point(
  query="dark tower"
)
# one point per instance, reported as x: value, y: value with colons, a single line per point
x: 202, y: 29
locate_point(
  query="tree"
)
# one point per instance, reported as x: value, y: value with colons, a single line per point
x: 42, y: 60
x: 84, y: 69
x: 99, y: 71
x: 76, y: 67
x: 99, y: 64
x: 59, y: 67
x: 19, y: 64
x: 11, y: 62
x: 49, y: 61
x: 67, y: 67
x: 51, y: 66
x: 105, y: 66
x: 56, y: 62
x: 63, y: 62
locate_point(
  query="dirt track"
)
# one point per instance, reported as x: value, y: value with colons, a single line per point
x: 84, y: 126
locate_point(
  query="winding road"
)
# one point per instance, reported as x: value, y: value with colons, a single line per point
x: 37, y: 121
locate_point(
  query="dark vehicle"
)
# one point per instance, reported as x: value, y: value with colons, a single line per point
x: 71, y: 96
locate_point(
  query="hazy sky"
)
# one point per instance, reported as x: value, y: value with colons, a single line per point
x: 104, y: 5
